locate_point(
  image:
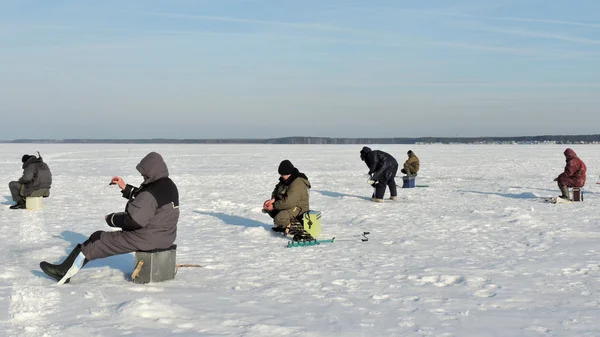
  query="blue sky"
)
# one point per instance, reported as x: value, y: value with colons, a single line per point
x: 273, y: 68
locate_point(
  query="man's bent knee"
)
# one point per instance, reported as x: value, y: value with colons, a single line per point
x: 94, y: 237
x: 283, y: 219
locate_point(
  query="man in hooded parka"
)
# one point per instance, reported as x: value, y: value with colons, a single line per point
x: 35, y: 181
x: 148, y: 222
x: 573, y: 175
x: 382, y: 171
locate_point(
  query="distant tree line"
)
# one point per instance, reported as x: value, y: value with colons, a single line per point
x: 560, y: 139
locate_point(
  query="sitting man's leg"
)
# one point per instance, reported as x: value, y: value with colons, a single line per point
x: 16, y: 191
x: 563, y: 185
x: 272, y: 213
x: 282, y: 221
x: 99, y: 245
x: 406, y: 170
x: 58, y: 271
x: 104, y: 244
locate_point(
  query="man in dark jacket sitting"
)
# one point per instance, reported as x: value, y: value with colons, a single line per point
x: 382, y: 171
x: 289, y: 199
x: 149, y: 221
x: 35, y: 182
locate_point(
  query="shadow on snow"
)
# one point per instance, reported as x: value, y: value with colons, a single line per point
x: 332, y: 194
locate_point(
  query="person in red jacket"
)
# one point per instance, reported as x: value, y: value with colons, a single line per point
x: 574, y: 174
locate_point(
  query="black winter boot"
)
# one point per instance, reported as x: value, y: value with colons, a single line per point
x: 57, y: 271
x: 18, y: 205
x: 565, y: 192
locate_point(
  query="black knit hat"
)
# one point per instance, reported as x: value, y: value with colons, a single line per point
x: 286, y: 167
x: 25, y: 158
x: 409, y: 152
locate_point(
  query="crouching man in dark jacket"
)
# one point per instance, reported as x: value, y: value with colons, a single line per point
x: 382, y: 171
x: 411, y: 165
x: 149, y: 221
x: 290, y: 197
x: 35, y: 182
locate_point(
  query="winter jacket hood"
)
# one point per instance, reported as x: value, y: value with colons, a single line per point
x: 153, y: 168
x: 363, y: 153
x: 570, y: 154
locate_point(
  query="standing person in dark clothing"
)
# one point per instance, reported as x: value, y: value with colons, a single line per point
x: 35, y: 182
x: 149, y: 221
x: 382, y: 171
x: 573, y: 175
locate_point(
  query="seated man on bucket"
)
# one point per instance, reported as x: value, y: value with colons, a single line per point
x: 411, y: 165
x: 382, y: 171
x: 573, y: 175
x: 289, y: 198
x: 35, y: 182
x: 149, y: 221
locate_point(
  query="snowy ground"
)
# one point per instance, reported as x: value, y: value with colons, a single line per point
x: 475, y: 254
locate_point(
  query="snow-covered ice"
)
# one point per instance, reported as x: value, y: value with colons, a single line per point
x: 475, y: 254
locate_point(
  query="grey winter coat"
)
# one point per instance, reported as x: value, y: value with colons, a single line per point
x: 150, y: 217
x: 36, y: 176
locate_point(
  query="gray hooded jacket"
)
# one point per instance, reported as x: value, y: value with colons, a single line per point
x: 36, y: 175
x: 150, y: 217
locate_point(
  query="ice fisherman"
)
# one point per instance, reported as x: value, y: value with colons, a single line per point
x: 289, y: 199
x: 383, y: 168
x: 148, y: 222
x: 411, y: 165
x: 573, y: 175
x: 35, y: 181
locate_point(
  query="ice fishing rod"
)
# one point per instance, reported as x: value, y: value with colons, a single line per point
x: 316, y: 242
x: 109, y: 184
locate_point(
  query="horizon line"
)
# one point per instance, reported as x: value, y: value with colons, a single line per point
x: 25, y: 140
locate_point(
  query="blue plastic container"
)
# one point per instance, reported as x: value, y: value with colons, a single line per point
x: 408, y: 182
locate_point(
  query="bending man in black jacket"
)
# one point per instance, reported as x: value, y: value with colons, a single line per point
x: 382, y: 169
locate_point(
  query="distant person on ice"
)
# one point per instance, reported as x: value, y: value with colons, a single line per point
x: 149, y: 221
x: 411, y: 165
x: 35, y: 182
x: 289, y: 198
x: 573, y: 175
x: 382, y: 171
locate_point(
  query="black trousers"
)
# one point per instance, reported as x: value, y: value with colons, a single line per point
x: 380, y: 189
x: 391, y: 183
